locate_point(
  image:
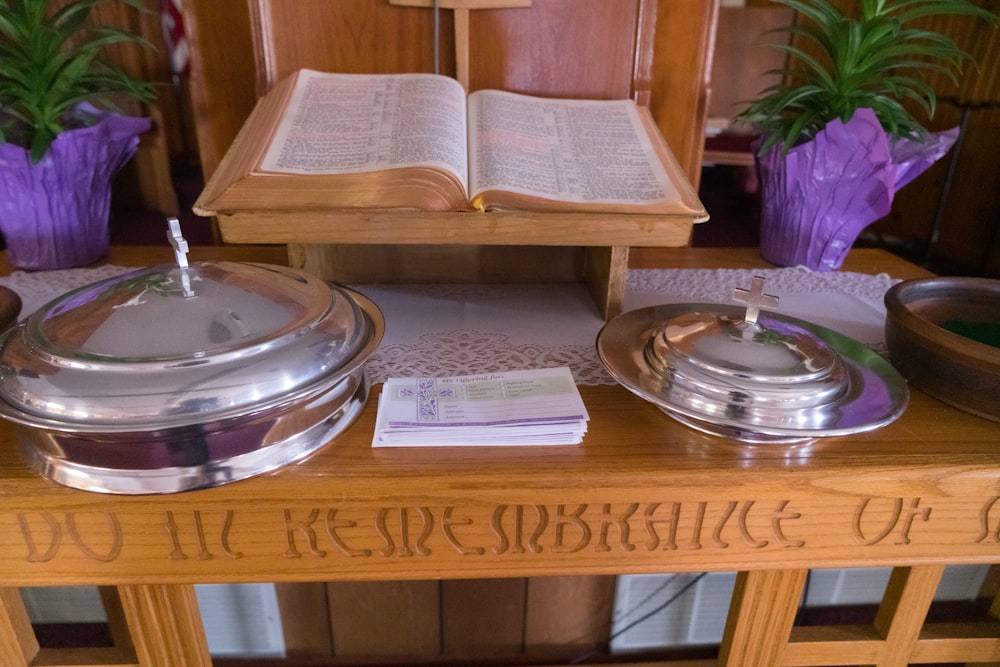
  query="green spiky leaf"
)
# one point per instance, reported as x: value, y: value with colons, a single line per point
x: 839, y: 64
x: 51, y: 59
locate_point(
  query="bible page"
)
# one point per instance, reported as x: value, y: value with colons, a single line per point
x: 353, y: 123
x: 582, y: 151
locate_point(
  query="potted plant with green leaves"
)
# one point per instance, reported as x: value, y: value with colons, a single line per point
x: 62, y: 136
x: 837, y: 136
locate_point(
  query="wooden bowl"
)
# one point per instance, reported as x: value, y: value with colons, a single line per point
x: 943, y: 335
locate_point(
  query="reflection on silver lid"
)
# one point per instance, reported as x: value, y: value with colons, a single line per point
x: 749, y: 376
x: 186, y: 376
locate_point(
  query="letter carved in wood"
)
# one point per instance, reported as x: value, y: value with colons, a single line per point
x: 304, y: 527
x: 572, y: 520
x: 53, y: 532
x: 333, y: 526
x: 447, y: 527
x: 989, y: 534
x: 618, y: 521
x: 199, y: 533
x: 896, y: 518
x: 405, y: 548
x: 650, y: 522
x: 53, y: 536
x: 517, y: 546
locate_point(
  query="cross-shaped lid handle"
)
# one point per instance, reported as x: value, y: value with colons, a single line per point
x: 179, y: 243
x: 180, y: 246
x: 755, y: 299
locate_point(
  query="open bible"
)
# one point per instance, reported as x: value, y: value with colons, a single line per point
x: 323, y: 141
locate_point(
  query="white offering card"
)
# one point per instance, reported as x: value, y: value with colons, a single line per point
x: 525, y: 407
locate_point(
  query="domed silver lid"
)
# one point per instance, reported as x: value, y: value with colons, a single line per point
x: 737, y: 373
x: 173, y: 345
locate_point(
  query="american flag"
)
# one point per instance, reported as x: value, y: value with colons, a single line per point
x: 173, y: 31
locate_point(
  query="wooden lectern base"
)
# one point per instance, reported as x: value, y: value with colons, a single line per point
x: 601, y: 268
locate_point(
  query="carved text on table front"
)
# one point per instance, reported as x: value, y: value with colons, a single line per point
x: 503, y: 530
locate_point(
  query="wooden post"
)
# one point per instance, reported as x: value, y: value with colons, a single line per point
x: 17, y: 639
x: 165, y: 624
x: 461, y: 9
x: 761, y: 616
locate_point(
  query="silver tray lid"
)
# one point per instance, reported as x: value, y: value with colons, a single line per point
x: 177, y: 344
x: 756, y: 378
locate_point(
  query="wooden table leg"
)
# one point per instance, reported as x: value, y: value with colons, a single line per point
x: 903, y: 611
x: 761, y: 616
x: 165, y: 624
x: 18, y: 645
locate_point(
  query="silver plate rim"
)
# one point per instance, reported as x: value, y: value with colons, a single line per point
x: 633, y: 329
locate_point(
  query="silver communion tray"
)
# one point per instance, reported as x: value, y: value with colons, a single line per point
x: 181, y: 377
x: 757, y: 378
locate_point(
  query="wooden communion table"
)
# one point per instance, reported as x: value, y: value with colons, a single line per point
x: 642, y: 494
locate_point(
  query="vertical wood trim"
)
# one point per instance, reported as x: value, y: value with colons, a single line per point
x: 682, y: 59
x: 18, y: 645
x: 904, y: 607
x: 165, y: 624
x: 263, y: 40
x: 462, y: 47
x: 645, y: 42
x: 761, y: 616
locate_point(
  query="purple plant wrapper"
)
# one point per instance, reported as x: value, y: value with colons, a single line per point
x: 54, y: 214
x: 817, y: 199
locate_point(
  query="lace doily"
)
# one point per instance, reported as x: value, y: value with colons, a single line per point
x: 437, y: 330
x: 37, y: 288
x: 850, y: 303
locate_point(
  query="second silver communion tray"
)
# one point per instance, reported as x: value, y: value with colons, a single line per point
x: 757, y: 378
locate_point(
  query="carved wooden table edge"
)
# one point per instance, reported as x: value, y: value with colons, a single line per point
x: 642, y: 494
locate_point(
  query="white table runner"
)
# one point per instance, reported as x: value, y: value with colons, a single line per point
x: 436, y: 330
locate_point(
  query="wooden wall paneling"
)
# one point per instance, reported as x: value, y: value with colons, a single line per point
x: 351, y: 36
x: 537, y: 50
x: 966, y: 242
x: 969, y: 231
x: 483, y: 617
x: 743, y: 56
x: 567, y: 616
x: 969, y: 236
x: 305, y: 621
x: 397, y: 619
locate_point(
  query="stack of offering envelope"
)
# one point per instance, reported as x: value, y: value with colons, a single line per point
x: 524, y: 407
